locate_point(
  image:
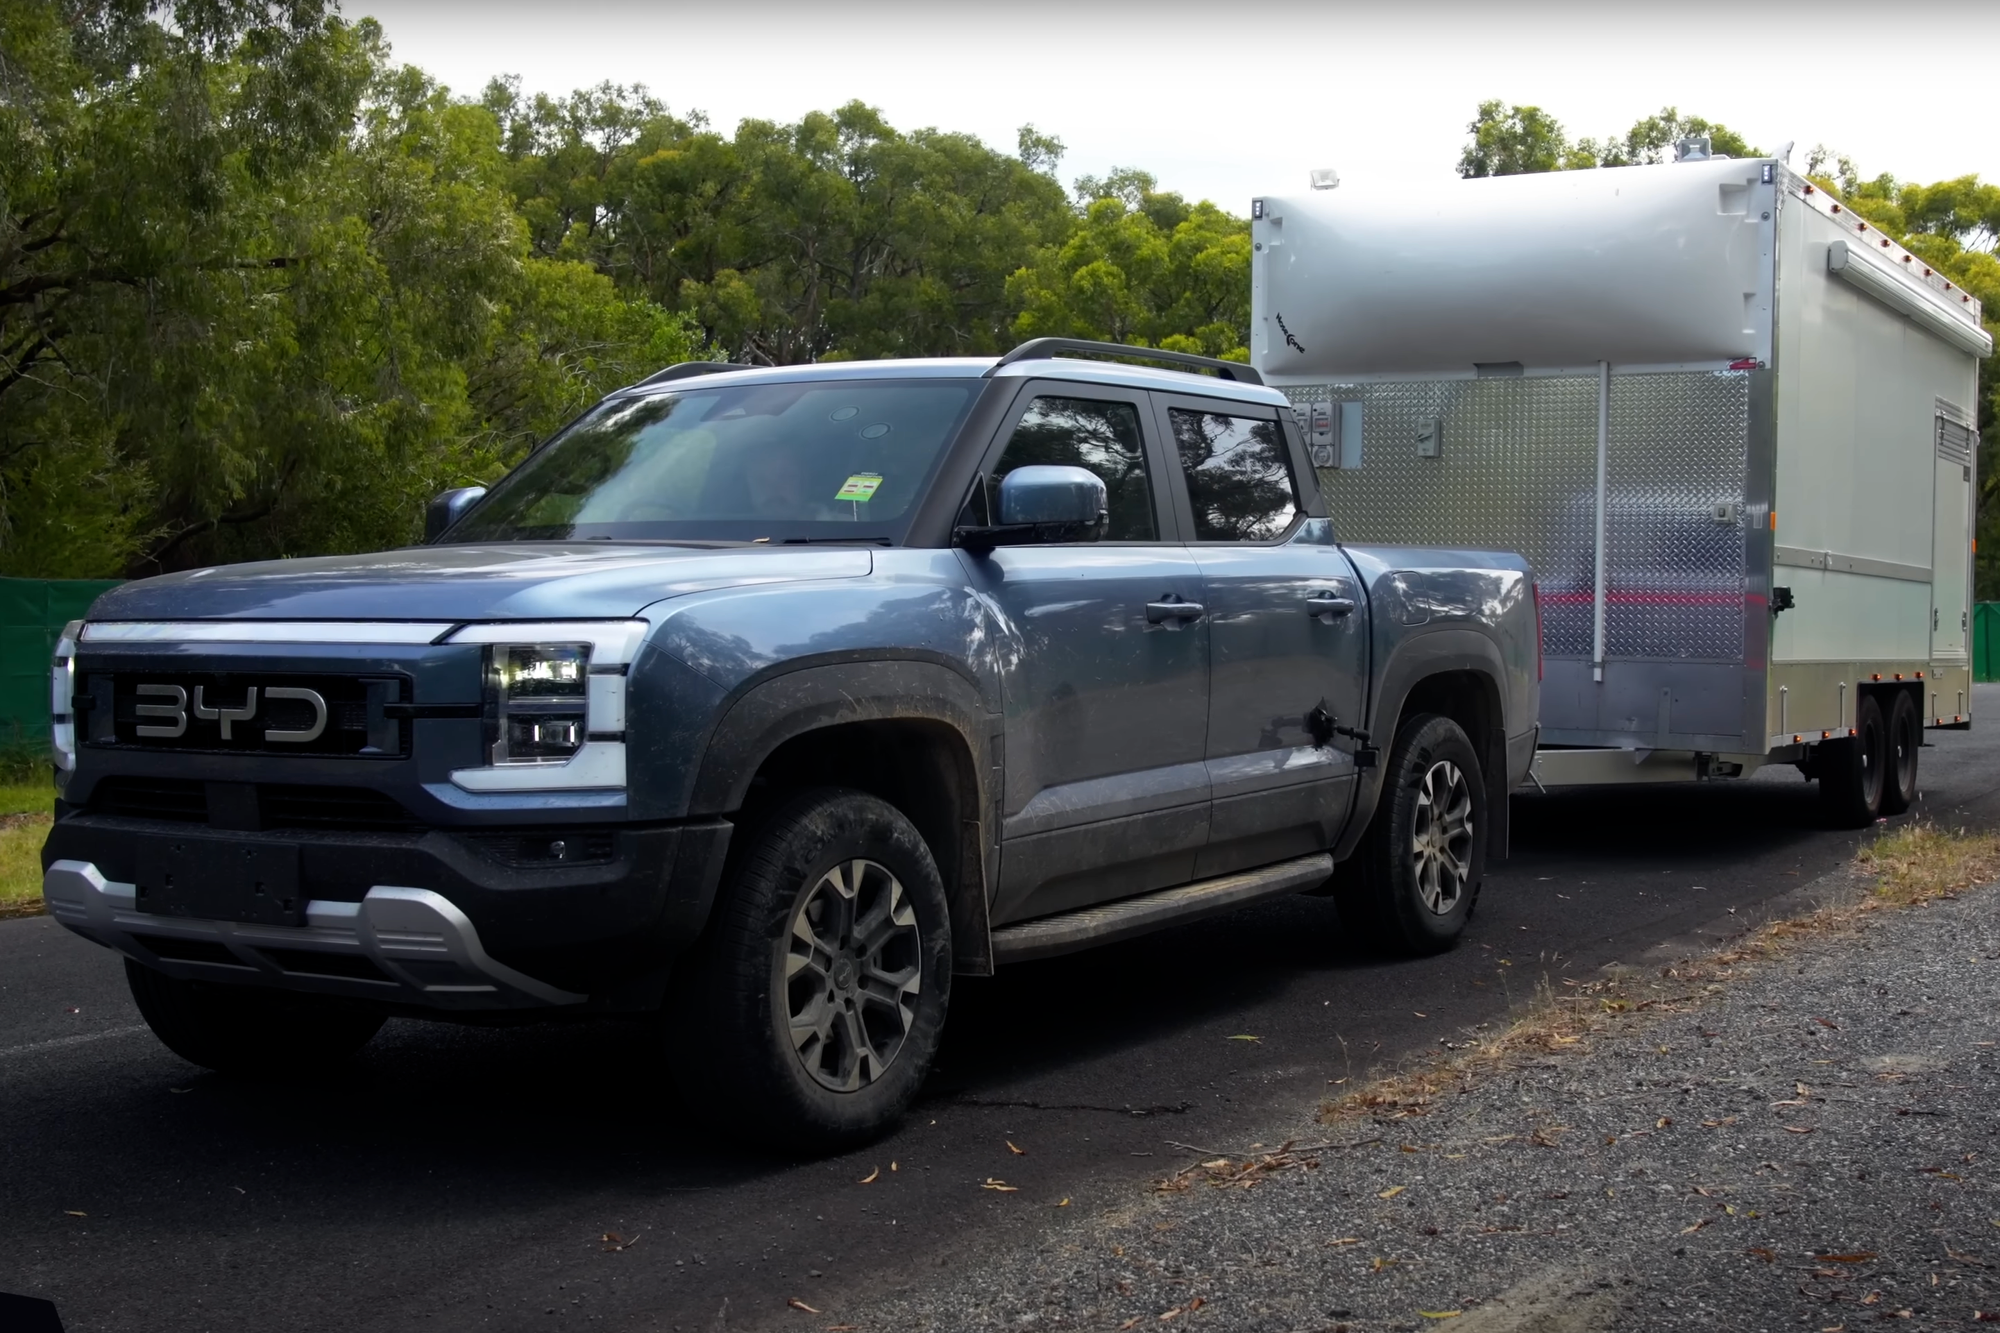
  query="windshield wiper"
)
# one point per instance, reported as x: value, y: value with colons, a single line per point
x: 834, y: 541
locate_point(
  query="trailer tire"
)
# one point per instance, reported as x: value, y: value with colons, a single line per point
x: 1906, y: 739
x: 1853, y: 772
x: 1412, y: 883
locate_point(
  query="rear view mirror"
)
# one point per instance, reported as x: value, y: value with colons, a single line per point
x: 448, y: 508
x: 1043, y: 503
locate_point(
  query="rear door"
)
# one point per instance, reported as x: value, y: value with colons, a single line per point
x: 1951, y: 536
x: 1288, y: 635
x: 1107, y: 705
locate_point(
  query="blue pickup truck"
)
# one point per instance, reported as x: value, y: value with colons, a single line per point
x: 769, y: 700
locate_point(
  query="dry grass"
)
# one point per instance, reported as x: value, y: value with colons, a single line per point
x: 1911, y: 865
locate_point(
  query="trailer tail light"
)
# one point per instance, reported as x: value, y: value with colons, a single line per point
x: 1535, y: 589
x: 1746, y: 363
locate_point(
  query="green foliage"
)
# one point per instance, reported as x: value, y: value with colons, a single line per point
x: 1144, y: 267
x: 261, y: 291
x: 835, y: 237
x: 1516, y: 140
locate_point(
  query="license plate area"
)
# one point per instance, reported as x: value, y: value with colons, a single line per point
x: 219, y: 879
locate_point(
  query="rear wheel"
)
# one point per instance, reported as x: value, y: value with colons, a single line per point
x: 1853, y: 772
x: 809, y: 1015
x: 1906, y: 738
x: 246, y: 1029
x: 1411, y: 885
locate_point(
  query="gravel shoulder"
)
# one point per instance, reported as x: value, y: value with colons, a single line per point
x: 1804, y: 1140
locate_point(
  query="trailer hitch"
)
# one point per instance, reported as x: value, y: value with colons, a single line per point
x: 1323, y: 726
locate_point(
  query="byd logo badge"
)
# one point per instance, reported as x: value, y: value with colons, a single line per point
x: 174, y: 711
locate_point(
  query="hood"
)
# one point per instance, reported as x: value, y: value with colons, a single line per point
x: 507, y: 581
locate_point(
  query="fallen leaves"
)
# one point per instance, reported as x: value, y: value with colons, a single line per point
x: 1244, y: 1036
x: 1018, y: 1152
x: 1225, y: 1173
x: 1858, y: 1257
x: 871, y: 1177
x: 1064, y: 1203
x: 1440, y: 1314
x: 1690, y: 1229
x: 1797, y: 1129
x: 1759, y: 1252
x: 75, y: 1212
x: 613, y: 1242
x: 1000, y: 1185
x: 798, y: 1304
x: 1392, y: 1191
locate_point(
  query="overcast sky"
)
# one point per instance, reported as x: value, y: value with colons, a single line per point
x: 1228, y: 100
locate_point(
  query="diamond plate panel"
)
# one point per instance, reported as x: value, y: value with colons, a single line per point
x: 1674, y: 571
x: 1516, y: 470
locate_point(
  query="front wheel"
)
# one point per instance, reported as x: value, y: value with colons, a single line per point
x: 246, y: 1029
x: 1412, y: 883
x: 808, y: 1016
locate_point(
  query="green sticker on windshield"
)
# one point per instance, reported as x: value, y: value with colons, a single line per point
x: 859, y: 486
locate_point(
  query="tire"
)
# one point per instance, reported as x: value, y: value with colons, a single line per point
x: 1412, y: 883
x: 795, y: 1025
x: 1905, y: 743
x: 246, y: 1029
x: 1853, y: 772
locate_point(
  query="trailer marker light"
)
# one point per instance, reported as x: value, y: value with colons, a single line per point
x: 1861, y: 226
x: 1747, y: 363
x: 1774, y: 520
x: 1836, y: 208
x: 1878, y: 676
x: 1885, y: 243
x: 1826, y: 735
x: 1809, y: 189
x: 1852, y: 732
x: 1899, y: 676
x: 1797, y: 739
x: 1920, y: 675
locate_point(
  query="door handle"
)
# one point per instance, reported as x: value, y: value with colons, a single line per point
x: 1327, y: 607
x: 1172, y: 613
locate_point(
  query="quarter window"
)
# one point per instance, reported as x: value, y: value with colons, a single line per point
x: 1239, y: 475
x: 1101, y: 437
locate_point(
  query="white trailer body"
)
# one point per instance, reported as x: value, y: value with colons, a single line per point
x: 1730, y: 424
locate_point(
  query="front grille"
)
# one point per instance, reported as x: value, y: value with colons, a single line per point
x: 271, y: 805
x: 293, y: 807
x: 246, y: 712
x: 151, y: 798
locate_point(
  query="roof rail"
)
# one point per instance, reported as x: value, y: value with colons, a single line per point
x: 687, y: 370
x: 1036, y: 349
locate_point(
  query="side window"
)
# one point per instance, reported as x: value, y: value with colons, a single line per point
x: 1239, y: 475
x: 1102, y: 437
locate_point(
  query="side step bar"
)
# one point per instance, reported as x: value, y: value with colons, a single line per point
x: 1089, y: 926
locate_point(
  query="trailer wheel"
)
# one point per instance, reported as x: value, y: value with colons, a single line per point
x: 1853, y: 772
x: 1906, y: 738
x: 1411, y: 884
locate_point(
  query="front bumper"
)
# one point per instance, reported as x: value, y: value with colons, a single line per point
x: 430, y: 919
x: 397, y: 944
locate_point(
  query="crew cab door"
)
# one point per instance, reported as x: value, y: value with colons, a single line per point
x: 1288, y: 634
x: 1106, y: 792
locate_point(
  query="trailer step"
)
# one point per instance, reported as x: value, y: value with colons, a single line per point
x: 1090, y: 926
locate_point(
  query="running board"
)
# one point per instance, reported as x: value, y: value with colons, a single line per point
x: 1091, y: 926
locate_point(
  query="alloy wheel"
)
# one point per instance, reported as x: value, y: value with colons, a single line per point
x: 1441, y: 837
x: 853, y: 972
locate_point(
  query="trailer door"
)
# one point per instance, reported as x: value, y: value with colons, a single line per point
x: 1951, y: 538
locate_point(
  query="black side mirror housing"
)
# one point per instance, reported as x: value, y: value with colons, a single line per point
x: 448, y: 508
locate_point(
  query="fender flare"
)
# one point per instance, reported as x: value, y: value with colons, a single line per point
x: 773, y: 708
x: 1425, y: 653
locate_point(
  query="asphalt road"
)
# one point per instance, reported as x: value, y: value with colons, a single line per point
x: 460, y: 1178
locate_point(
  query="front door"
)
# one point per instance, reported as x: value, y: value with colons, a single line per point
x: 1107, y: 703
x: 1288, y: 638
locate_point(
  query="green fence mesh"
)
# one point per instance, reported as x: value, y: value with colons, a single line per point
x: 32, y: 614
x: 1986, y: 641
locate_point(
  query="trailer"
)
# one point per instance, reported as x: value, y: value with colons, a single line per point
x: 1730, y: 424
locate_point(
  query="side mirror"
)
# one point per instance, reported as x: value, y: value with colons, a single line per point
x: 1044, y: 503
x: 448, y: 508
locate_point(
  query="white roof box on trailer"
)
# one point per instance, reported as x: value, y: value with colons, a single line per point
x: 1653, y: 267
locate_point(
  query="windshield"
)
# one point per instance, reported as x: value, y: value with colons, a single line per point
x: 826, y: 460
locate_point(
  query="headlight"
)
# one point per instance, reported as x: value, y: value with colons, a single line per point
x: 555, y: 704
x: 62, y: 692
x: 538, y: 701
